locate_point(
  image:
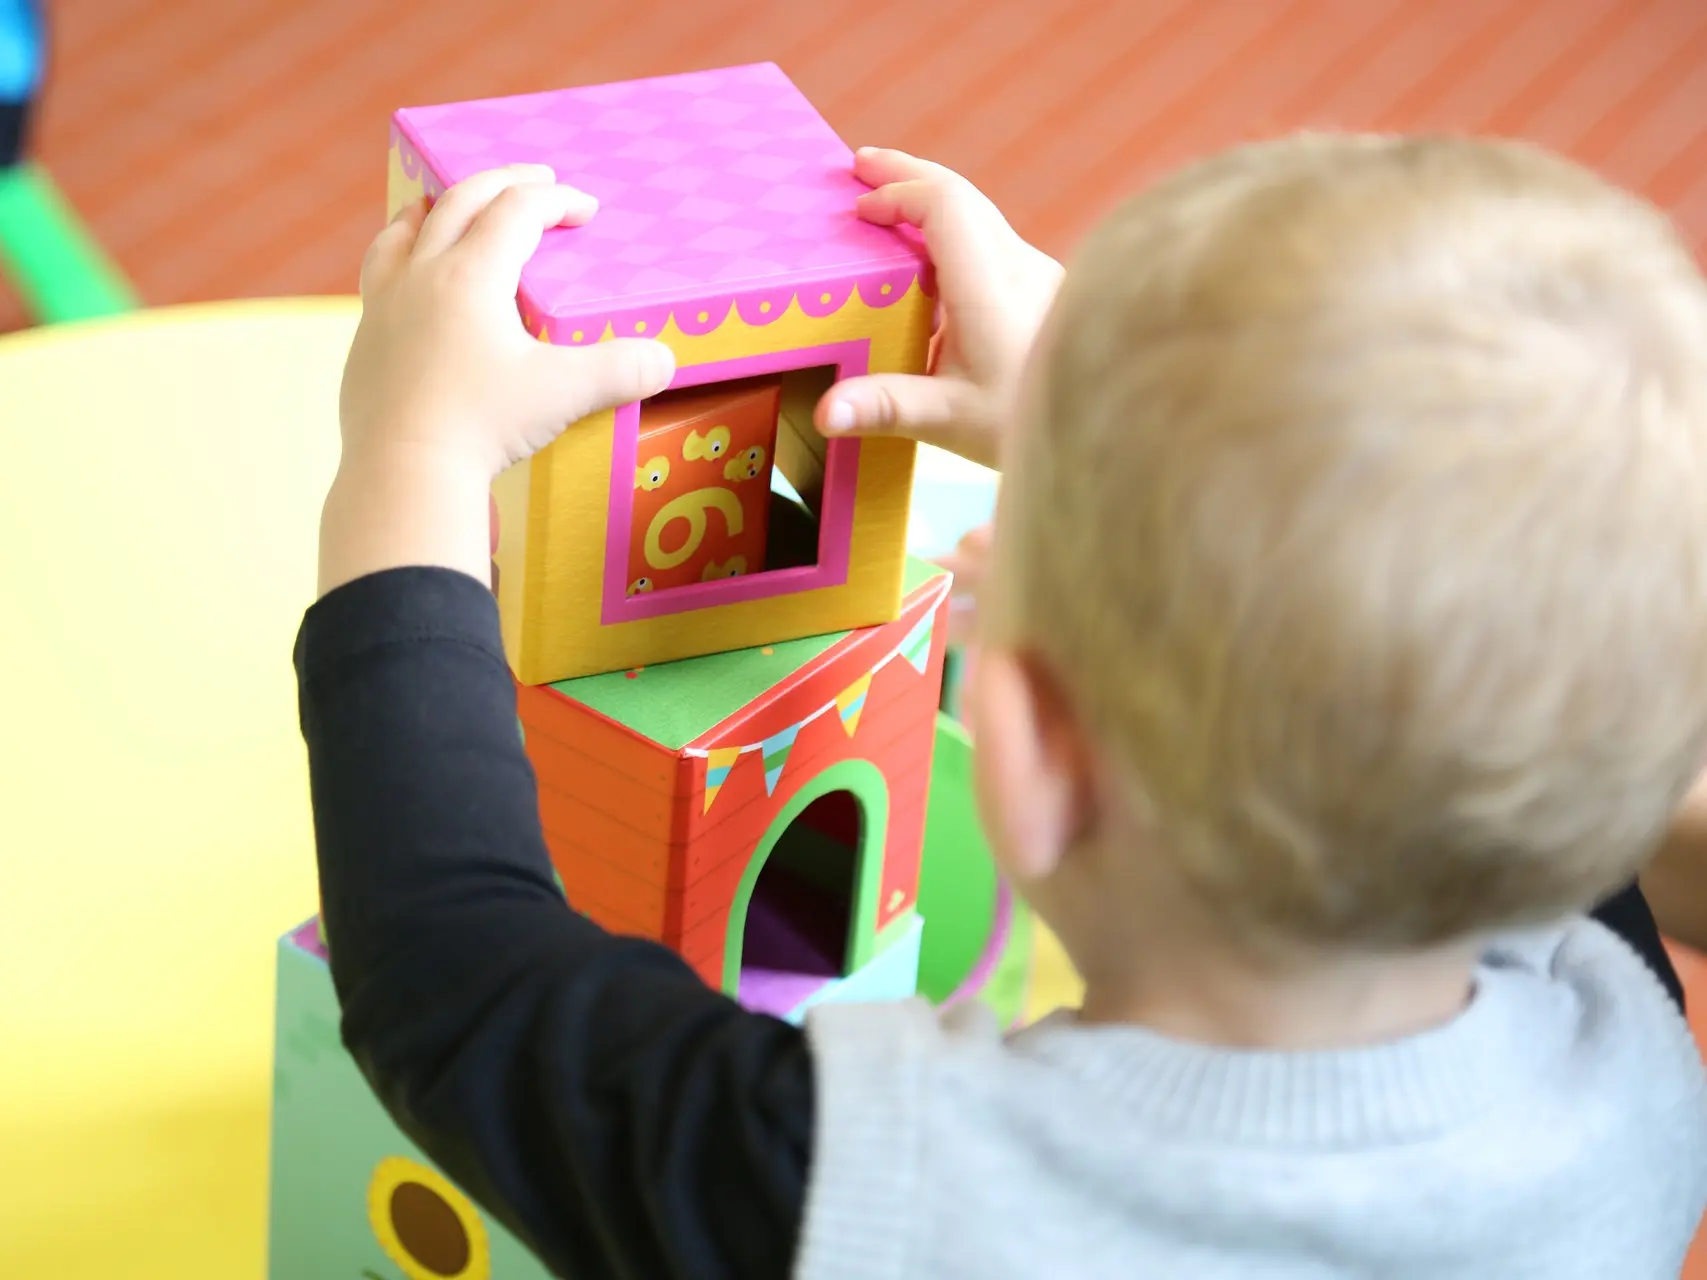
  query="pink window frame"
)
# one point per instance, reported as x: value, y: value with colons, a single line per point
x: 835, y: 520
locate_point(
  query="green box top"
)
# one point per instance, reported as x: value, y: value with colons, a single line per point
x: 675, y: 702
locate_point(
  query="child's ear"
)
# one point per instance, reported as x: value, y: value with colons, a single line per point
x: 1036, y: 773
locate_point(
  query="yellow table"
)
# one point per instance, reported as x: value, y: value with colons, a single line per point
x: 158, y: 504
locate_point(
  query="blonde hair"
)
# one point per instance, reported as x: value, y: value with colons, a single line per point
x: 1361, y: 508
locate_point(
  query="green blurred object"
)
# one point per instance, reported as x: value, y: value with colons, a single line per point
x: 957, y: 877
x: 56, y: 267
x: 978, y: 942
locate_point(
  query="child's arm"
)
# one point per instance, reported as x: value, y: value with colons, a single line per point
x: 589, y: 1090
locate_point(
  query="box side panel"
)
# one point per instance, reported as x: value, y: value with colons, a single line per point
x: 607, y: 808
x: 338, y: 1160
x: 565, y: 635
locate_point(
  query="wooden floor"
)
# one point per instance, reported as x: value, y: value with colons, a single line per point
x: 236, y: 147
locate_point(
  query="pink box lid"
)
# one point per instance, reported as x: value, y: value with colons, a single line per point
x: 716, y: 189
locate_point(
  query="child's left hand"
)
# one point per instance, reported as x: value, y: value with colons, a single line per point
x: 444, y: 388
x: 441, y: 359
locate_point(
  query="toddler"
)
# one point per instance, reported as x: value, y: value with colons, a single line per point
x: 1344, y: 641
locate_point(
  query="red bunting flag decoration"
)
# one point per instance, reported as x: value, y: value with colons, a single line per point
x: 773, y: 751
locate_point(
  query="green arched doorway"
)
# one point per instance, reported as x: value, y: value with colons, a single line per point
x: 813, y: 860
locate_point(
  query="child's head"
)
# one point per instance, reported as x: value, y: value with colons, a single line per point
x: 1351, y: 564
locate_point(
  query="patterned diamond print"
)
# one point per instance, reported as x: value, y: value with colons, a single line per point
x: 704, y: 180
x: 702, y: 210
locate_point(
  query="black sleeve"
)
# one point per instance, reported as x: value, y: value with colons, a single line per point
x: 588, y: 1090
x: 1628, y: 915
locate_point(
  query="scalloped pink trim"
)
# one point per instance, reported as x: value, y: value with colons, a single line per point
x: 413, y: 165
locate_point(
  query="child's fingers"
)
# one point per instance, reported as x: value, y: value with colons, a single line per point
x: 946, y: 412
x: 961, y: 227
x: 969, y: 559
x: 969, y: 242
x: 457, y: 208
x: 505, y: 234
x: 391, y: 247
x: 962, y: 619
x: 892, y: 404
x: 572, y: 382
x: 905, y: 182
x: 879, y: 166
x: 967, y: 564
x: 974, y: 546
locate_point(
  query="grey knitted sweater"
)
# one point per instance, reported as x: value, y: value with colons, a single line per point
x: 1556, y: 1129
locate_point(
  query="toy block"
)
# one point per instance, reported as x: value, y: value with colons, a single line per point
x: 349, y: 1195
x: 702, y: 450
x: 754, y: 809
x: 726, y: 230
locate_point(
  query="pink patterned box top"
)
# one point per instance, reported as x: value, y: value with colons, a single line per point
x: 716, y: 189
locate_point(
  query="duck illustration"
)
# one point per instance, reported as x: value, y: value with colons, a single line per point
x: 746, y: 465
x: 733, y: 567
x: 640, y: 586
x: 652, y: 473
x: 712, y: 445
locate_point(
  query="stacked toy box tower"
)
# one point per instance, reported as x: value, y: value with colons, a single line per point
x: 728, y: 669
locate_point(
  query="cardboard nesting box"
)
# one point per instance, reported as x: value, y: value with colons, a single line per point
x: 727, y: 230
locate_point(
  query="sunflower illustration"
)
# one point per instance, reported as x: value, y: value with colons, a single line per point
x: 425, y: 1225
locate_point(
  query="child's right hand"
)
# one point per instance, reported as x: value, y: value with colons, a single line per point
x: 969, y: 563
x: 994, y: 290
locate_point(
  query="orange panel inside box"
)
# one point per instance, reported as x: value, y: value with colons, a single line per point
x: 702, y: 450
